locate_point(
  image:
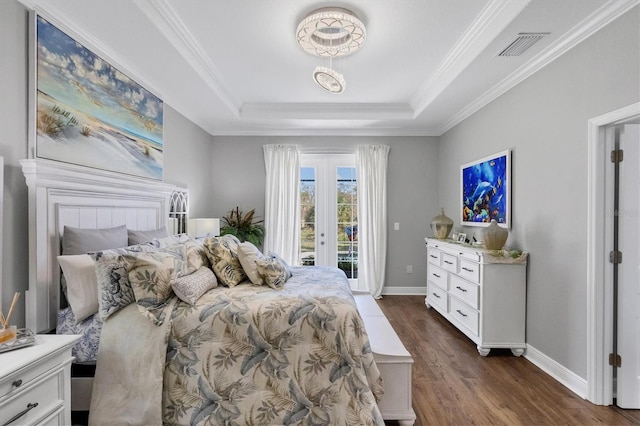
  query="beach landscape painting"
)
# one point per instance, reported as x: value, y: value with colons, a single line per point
x: 90, y: 113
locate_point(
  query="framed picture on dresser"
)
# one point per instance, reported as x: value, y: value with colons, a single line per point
x: 84, y: 110
x: 485, y: 191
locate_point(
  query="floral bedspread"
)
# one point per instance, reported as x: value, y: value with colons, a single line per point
x: 258, y: 356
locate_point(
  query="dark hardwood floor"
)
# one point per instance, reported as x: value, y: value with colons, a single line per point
x: 454, y: 385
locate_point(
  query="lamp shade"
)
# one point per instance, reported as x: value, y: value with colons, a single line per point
x: 203, y: 227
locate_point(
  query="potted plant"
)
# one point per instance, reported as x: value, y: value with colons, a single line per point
x: 243, y: 226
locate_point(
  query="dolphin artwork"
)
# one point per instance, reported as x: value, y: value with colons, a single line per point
x: 485, y: 189
x: 481, y: 191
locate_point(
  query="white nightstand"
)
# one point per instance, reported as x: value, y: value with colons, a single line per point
x: 35, y: 382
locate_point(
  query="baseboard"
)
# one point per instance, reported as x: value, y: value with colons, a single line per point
x: 562, y: 374
x: 404, y: 291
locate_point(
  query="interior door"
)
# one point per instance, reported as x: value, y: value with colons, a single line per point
x: 628, y: 339
x: 328, y: 209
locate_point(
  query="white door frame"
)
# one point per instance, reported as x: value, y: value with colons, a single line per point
x: 599, y: 285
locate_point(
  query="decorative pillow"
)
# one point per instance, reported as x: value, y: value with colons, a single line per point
x: 81, y: 241
x: 223, y: 255
x: 190, y: 288
x: 150, y: 275
x: 196, y: 256
x: 273, y: 270
x: 281, y: 260
x: 114, y: 289
x: 82, y: 284
x: 248, y: 254
x: 139, y: 237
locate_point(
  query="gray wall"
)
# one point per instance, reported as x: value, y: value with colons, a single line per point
x: 544, y: 122
x: 187, y: 152
x: 188, y: 160
x: 13, y: 147
x: 412, y: 184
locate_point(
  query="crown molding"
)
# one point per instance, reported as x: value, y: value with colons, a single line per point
x: 491, y: 21
x: 332, y: 111
x: 599, y: 19
x: 371, y: 132
x: 48, y: 10
x: 168, y: 22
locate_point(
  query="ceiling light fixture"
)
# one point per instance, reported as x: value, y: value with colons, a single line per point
x: 331, y: 32
x: 329, y: 80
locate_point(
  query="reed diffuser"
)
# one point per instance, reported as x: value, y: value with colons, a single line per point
x: 8, y: 332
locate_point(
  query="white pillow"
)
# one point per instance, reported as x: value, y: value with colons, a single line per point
x: 82, y: 284
x: 248, y: 254
x: 191, y: 287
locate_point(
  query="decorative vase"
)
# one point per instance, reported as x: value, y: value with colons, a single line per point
x: 441, y: 225
x: 494, y: 236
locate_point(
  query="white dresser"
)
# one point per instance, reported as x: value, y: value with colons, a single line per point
x: 481, y: 292
x: 35, y: 382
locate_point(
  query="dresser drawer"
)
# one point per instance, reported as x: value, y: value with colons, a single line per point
x: 35, y: 401
x: 464, y: 314
x: 437, y: 276
x: 472, y: 256
x: 55, y: 419
x: 449, y: 262
x: 433, y: 256
x: 465, y: 291
x: 437, y: 296
x: 469, y: 271
x: 22, y: 378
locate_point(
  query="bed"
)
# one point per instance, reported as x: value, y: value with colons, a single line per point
x: 245, y: 355
x: 291, y: 356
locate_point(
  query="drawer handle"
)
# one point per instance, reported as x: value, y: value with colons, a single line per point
x: 448, y: 263
x: 461, y: 313
x: 433, y: 257
x: 436, y: 275
x: 436, y: 295
x: 467, y: 269
x: 464, y: 290
x: 30, y: 407
x: 17, y: 383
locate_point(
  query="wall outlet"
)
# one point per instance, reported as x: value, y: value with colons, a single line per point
x: 409, y: 269
x: 396, y: 226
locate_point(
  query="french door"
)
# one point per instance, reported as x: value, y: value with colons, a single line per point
x: 329, y: 213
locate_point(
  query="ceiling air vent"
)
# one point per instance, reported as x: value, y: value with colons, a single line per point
x: 522, y: 42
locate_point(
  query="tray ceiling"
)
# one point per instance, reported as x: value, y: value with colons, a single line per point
x: 234, y: 67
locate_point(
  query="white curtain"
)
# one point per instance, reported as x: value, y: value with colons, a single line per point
x: 371, y: 166
x: 282, y: 192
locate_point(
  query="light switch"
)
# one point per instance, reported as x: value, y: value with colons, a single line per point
x: 396, y: 226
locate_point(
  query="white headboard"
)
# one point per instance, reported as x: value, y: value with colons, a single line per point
x: 65, y: 194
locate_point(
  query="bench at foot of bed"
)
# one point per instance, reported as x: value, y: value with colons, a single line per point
x: 393, y: 361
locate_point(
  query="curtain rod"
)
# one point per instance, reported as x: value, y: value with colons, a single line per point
x: 328, y: 150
